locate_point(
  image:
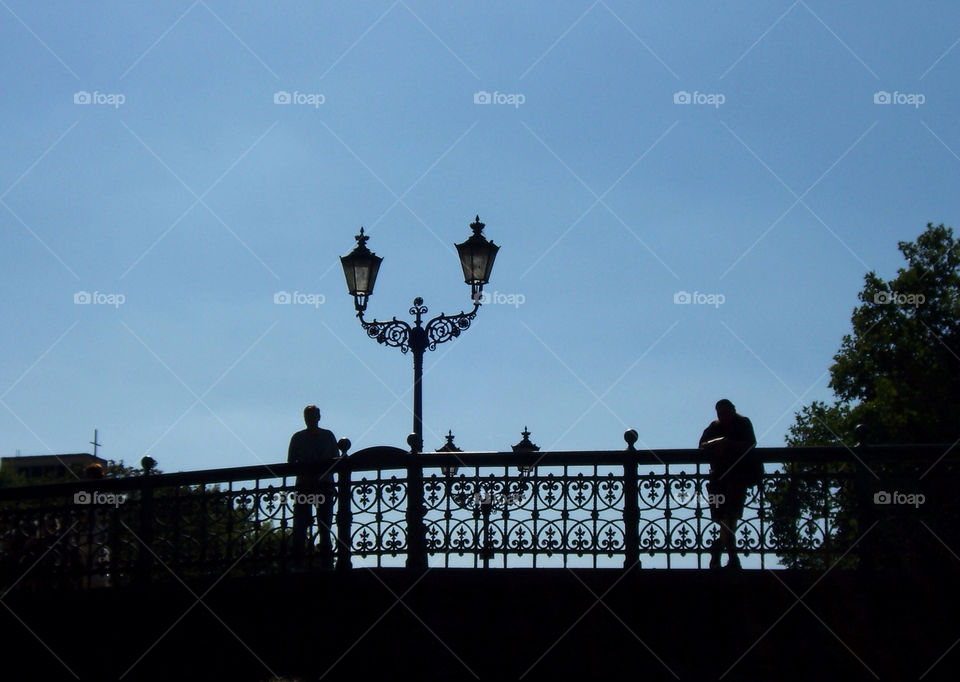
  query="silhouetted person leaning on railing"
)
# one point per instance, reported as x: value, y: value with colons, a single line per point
x: 313, y: 444
x: 733, y: 470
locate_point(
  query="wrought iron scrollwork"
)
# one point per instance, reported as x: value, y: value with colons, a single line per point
x: 394, y: 333
x: 446, y: 327
x: 399, y: 334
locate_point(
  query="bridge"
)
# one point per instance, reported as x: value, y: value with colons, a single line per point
x: 487, y: 565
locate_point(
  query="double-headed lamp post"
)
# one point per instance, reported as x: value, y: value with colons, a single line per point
x: 360, y: 269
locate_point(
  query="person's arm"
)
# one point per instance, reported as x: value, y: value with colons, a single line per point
x: 292, y: 450
x: 707, y: 440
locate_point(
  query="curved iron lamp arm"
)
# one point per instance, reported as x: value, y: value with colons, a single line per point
x: 394, y: 333
x: 445, y: 327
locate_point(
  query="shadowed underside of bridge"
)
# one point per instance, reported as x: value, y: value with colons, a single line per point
x: 491, y: 625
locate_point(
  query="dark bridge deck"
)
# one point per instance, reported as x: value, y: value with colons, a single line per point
x: 496, y: 625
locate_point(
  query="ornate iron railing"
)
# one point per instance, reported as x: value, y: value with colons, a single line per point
x: 617, y: 509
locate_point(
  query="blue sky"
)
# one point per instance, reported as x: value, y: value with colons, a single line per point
x: 743, y: 152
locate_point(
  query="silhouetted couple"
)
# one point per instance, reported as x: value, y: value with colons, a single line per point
x: 734, y: 469
x: 313, y: 444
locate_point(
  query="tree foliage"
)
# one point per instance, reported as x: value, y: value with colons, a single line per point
x: 897, y: 372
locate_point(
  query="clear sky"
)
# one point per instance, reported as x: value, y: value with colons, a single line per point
x: 760, y: 156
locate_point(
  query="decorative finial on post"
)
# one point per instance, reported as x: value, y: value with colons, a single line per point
x: 415, y: 442
x: 631, y: 437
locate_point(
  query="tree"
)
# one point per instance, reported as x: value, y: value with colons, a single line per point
x: 898, y: 373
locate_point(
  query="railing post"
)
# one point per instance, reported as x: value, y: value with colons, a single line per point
x: 486, y: 506
x: 344, y: 513
x: 866, y: 510
x: 145, y: 553
x: 416, y: 532
x: 114, y: 558
x: 631, y: 505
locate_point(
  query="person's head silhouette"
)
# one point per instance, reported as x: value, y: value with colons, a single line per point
x: 311, y: 416
x: 726, y: 411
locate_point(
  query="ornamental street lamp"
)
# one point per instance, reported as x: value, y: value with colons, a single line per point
x: 360, y: 269
x: 526, y: 445
x: 449, y: 446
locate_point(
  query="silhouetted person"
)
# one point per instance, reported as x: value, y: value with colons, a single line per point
x: 313, y: 444
x: 729, y: 439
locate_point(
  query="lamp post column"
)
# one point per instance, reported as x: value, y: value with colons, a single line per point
x: 416, y: 509
x: 418, y: 346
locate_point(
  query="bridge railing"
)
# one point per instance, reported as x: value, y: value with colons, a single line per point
x: 617, y: 509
